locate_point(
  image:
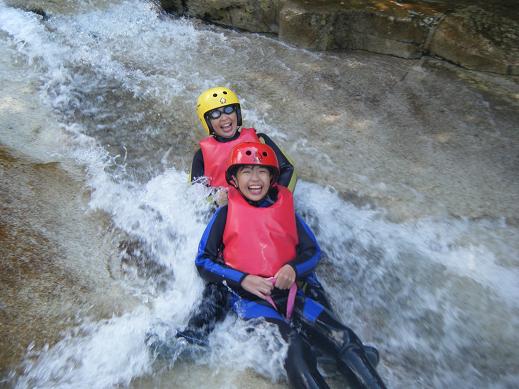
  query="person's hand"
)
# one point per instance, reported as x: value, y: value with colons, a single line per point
x: 221, y: 197
x: 285, y: 277
x: 257, y: 285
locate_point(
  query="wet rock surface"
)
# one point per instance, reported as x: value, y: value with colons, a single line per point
x: 43, y: 292
x: 477, y: 35
x: 372, y: 26
x: 255, y: 16
x: 420, y: 138
x: 478, y: 39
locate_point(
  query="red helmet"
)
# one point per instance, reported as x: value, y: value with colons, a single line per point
x: 252, y: 153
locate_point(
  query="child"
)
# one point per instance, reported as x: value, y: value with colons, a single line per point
x: 259, y: 248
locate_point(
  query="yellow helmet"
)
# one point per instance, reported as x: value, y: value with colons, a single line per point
x: 215, y: 98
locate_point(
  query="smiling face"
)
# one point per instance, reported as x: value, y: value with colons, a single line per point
x: 226, y: 125
x: 253, y: 181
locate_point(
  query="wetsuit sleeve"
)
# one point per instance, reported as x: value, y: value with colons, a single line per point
x: 197, y: 166
x: 308, y: 252
x: 208, y: 262
x: 287, y: 173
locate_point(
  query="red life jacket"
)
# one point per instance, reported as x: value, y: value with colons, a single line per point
x: 216, y: 155
x: 258, y: 240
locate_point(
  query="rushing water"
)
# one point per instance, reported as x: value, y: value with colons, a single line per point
x: 107, y: 89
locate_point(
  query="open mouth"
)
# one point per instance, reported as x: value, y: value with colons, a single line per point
x: 255, y: 189
x: 226, y: 127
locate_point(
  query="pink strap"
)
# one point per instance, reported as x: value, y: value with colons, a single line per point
x: 291, y: 299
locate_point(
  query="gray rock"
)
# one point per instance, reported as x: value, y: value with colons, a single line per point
x: 373, y: 26
x: 173, y: 6
x: 249, y: 15
x: 478, y: 39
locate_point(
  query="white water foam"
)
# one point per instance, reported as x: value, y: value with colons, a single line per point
x: 164, y: 213
x: 433, y: 285
x: 450, y: 242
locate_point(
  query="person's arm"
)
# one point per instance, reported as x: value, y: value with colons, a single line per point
x: 211, y: 244
x: 308, y: 252
x: 287, y: 172
x: 197, y: 166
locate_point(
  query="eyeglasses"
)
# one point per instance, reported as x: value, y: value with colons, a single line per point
x: 216, y: 113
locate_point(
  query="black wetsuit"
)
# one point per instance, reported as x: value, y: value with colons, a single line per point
x: 312, y: 323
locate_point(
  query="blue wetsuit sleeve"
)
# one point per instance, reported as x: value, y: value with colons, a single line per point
x: 210, y: 267
x: 308, y: 252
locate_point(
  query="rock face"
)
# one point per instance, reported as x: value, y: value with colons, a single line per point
x: 249, y: 15
x: 472, y: 34
x: 477, y: 39
x: 381, y: 27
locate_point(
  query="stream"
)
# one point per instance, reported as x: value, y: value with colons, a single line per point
x: 408, y: 175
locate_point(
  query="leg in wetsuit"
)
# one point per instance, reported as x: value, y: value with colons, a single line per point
x: 300, y: 362
x: 319, y: 325
x: 315, y: 324
x: 212, y: 309
x: 313, y: 289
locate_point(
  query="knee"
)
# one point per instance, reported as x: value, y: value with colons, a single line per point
x: 349, y: 339
x: 339, y: 338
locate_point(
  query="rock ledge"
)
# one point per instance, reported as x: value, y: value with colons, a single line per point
x: 473, y: 34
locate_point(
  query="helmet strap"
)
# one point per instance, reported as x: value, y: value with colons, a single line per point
x: 238, y: 115
x: 209, y: 126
